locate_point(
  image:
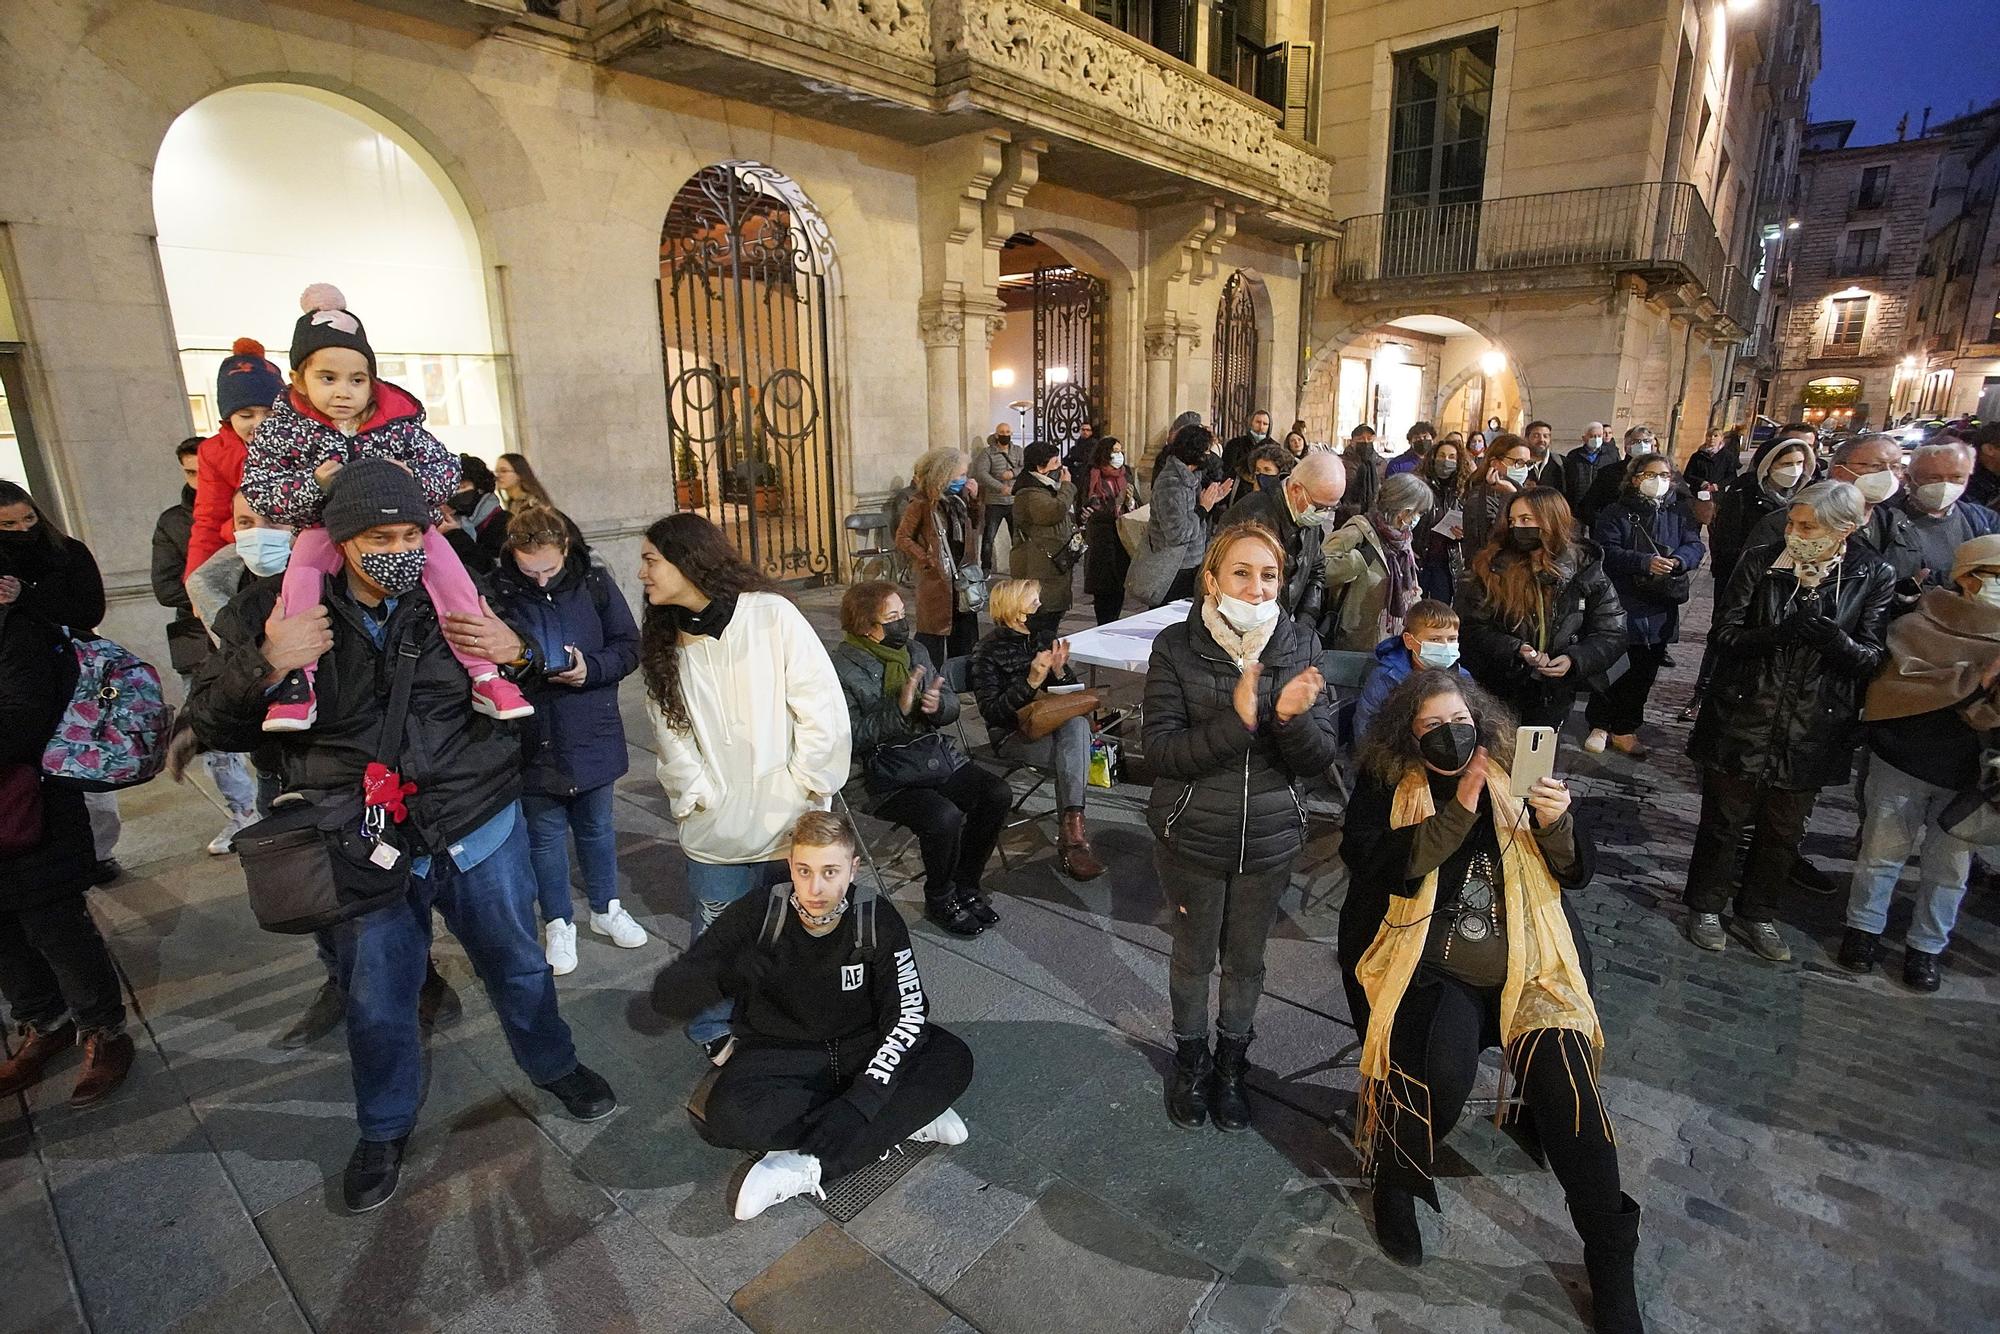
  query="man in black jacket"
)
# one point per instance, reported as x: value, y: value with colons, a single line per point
x: 465, y: 834
x: 1297, y: 511
x: 1236, y: 453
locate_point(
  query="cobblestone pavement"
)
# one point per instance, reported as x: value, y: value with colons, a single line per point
x: 1812, y: 1150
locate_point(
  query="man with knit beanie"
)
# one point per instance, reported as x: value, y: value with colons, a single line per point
x: 464, y: 831
x: 246, y: 385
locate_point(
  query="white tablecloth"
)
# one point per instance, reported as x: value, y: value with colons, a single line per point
x: 1127, y: 645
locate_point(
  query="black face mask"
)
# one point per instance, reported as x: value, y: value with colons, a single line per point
x: 464, y: 502
x: 896, y: 634
x: 23, y: 553
x: 1449, y: 748
x: 1524, y: 540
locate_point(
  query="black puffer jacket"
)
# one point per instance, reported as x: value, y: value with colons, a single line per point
x: 1585, y: 622
x: 1000, y: 666
x: 1304, y: 593
x: 1783, y: 709
x: 466, y: 766
x: 1224, y: 795
x: 37, y: 675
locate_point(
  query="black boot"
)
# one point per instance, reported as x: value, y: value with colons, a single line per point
x: 951, y: 913
x: 1187, y: 1084
x: 1228, y: 1105
x: 1396, y: 1223
x: 1609, y: 1243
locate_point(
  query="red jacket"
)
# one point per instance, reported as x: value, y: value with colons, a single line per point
x: 220, y: 474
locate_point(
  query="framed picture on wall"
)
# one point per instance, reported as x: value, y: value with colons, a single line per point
x: 203, y: 419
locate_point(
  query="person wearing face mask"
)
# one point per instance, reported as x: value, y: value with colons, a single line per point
x: 1429, y: 642
x: 996, y: 467
x: 1984, y: 488
x: 1109, y: 491
x: 1926, y: 720
x: 1941, y: 520
x: 1364, y: 472
x: 1236, y: 452
x: 1458, y: 934
x: 1874, y: 465
x: 1236, y: 713
x: 1445, y: 472
x: 465, y: 835
x: 1542, y: 621
x: 1609, y: 484
x: 1177, y: 520
x: 1508, y: 468
x: 1044, y: 506
x: 1421, y: 437
x: 1796, y: 637
x: 1781, y: 470
x: 1371, y: 568
x: 1594, y: 455
x: 1651, y: 546
x: 1298, y: 510
x: 938, y: 538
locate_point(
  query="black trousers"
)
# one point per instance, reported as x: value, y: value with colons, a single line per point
x: 988, y: 526
x: 762, y: 1096
x: 1442, y: 1025
x: 957, y: 825
x: 964, y: 637
x: 1775, y: 819
x: 1182, y: 586
x: 1108, y: 606
x: 54, y: 966
x: 1622, y: 708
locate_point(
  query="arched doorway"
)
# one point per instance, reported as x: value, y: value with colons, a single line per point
x: 247, y: 220
x: 1832, y: 402
x: 1233, y: 381
x: 747, y: 275
x: 1050, y: 372
x: 1420, y: 366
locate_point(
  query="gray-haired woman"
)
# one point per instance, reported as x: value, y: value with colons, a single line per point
x: 938, y: 537
x: 1801, y: 628
x: 1371, y: 567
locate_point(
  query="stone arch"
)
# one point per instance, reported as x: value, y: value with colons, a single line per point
x: 1326, y: 354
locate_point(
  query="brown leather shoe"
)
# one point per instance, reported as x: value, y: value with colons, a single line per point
x: 107, y: 1059
x: 1078, y: 862
x: 34, y: 1050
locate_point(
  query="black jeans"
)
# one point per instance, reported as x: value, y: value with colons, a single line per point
x: 1622, y: 708
x: 1776, y: 819
x: 956, y: 823
x: 1442, y: 1025
x: 1108, y: 606
x: 761, y: 1097
x: 995, y: 516
x: 964, y: 637
x: 1182, y: 586
x: 1218, y: 915
x: 53, y: 967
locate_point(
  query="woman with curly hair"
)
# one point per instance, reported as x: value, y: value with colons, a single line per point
x: 938, y: 537
x: 751, y: 726
x: 1457, y: 935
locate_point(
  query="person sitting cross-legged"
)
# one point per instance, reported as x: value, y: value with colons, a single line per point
x: 836, y: 1060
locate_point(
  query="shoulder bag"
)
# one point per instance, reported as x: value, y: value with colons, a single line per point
x: 926, y: 761
x: 1670, y: 590
x: 1045, y: 713
x: 968, y: 582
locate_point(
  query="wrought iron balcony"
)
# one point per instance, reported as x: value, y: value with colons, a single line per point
x: 1658, y: 229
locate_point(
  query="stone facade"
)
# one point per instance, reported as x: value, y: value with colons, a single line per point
x: 1956, y: 331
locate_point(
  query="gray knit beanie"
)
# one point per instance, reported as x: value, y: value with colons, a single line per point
x: 368, y: 493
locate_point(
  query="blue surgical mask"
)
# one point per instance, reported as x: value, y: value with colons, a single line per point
x: 265, y: 551
x: 1438, y: 657
x: 954, y: 486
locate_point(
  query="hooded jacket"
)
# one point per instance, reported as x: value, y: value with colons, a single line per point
x: 1784, y: 702
x: 218, y: 477
x: 1393, y: 666
x: 297, y: 438
x: 1746, y: 501
x: 1584, y: 621
x: 1223, y: 796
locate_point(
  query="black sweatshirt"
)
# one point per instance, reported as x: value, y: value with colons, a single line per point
x: 818, y: 994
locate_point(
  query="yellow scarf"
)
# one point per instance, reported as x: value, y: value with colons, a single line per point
x: 1545, y: 985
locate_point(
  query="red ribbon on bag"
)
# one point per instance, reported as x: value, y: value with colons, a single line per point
x: 384, y: 787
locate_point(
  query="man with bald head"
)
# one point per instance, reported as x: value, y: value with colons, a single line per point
x: 1580, y: 467
x: 1297, y: 511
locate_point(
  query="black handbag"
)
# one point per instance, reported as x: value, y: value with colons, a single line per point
x: 968, y: 582
x: 1065, y: 557
x: 323, y: 858
x: 1667, y: 590
x: 927, y: 761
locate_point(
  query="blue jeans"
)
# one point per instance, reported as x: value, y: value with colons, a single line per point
x: 383, y: 959
x: 551, y: 821
x: 1900, y: 817
x: 715, y: 888
x: 231, y: 773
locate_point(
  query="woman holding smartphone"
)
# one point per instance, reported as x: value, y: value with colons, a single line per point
x: 1458, y: 935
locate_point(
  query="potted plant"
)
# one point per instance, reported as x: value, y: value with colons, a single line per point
x: 767, y: 496
x: 690, y: 490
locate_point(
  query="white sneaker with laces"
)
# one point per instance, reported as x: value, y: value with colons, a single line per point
x: 616, y: 923
x: 560, y: 945
x: 224, y: 843
x: 775, y: 1178
x: 1594, y: 743
x: 949, y: 1128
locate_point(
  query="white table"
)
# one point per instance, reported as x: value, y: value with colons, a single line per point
x: 1125, y: 645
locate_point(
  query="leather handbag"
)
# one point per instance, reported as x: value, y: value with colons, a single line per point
x: 1065, y: 557
x: 1669, y: 590
x: 323, y: 858
x: 927, y: 761
x: 1045, y: 713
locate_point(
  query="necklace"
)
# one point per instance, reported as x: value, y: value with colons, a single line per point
x: 1476, y: 910
x: 810, y: 920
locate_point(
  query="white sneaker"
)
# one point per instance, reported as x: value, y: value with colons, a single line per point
x: 1594, y: 743
x: 560, y: 945
x: 775, y: 1178
x: 616, y: 923
x: 949, y: 1128
x: 224, y: 843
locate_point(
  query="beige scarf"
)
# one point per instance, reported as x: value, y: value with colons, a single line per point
x: 1241, y: 648
x: 1545, y: 985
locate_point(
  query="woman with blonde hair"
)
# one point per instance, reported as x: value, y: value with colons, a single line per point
x: 939, y: 539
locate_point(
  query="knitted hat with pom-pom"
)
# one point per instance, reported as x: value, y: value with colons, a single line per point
x: 246, y: 379
x: 327, y: 322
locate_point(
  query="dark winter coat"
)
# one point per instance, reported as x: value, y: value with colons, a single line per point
x: 875, y: 717
x: 1632, y: 532
x: 37, y: 675
x: 1887, y: 534
x: 1043, y: 526
x: 1580, y: 473
x: 576, y: 740
x: 295, y: 439
x: 466, y: 766
x: 1105, y: 560
x: 1304, y: 592
x: 1224, y: 796
x: 59, y: 578
x: 1782, y: 709
x: 1712, y: 470
x: 1584, y: 622
x: 187, y: 637
x: 1000, y: 666
x: 1739, y: 510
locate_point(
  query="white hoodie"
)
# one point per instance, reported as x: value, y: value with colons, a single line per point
x: 770, y: 736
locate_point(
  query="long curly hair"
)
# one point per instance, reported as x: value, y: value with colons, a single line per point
x: 1388, y: 750
x: 1510, y: 584
x: 705, y: 558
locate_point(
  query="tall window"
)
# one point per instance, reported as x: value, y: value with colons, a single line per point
x: 1850, y: 317
x: 1861, y: 250
x: 1874, y: 191
x: 1437, y: 134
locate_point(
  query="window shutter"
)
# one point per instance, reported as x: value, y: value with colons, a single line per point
x: 1296, y: 71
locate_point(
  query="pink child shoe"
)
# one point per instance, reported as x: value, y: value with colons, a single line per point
x: 496, y: 697
x: 295, y: 710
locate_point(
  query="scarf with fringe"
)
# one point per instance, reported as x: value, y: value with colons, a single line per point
x: 1242, y: 648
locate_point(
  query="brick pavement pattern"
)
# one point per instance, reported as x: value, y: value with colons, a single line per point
x: 1812, y: 1149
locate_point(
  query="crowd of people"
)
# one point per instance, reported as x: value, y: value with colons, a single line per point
x: 355, y: 610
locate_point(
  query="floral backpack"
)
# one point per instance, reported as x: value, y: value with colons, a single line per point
x: 114, y: 731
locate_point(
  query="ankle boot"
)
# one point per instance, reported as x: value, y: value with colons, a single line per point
x: 107, y: 1059
x: 1609, y: 1243
x: 1228, y: 1104
x: 34, y: 1049
x: 1187, y: 1084
x: 1078, y: 862
x: 1396, y: 1223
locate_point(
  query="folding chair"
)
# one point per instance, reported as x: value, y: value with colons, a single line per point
x: 854, y: 818
x: 958, y: 679
x: 876, y: 558
x: 1346, y: 673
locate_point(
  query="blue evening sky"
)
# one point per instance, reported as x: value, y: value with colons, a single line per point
x: 1885, y: 57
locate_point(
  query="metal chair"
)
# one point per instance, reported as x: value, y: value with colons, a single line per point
x: 958, y: 679
x: 1346, y: 673
x: 877, y: 558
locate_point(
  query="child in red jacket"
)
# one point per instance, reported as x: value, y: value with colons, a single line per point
x: 246, y: 386
x: 337, y: 411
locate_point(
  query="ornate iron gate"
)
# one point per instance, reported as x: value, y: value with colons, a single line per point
x: 745, y: 337
x: 1234, y: 381
x: 1069, y: 353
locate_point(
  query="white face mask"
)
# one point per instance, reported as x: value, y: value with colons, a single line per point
x: 1518, y: 474
x: 1810, y: 550
x: 1939, y: 496
x: 1642, y: 447
x: 1246, y: 616
x: 1117, y: 460
x: 265, y: 551
x: 1437, y: 656
x: 1876, y: 487
x: 1653, y: 487
x: 1786, y: 476
x: 1989, y: 592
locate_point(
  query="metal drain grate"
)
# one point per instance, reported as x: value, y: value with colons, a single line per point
x: 846, y: 1198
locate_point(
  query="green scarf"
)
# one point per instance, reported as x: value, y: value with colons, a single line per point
x: 895, y: 662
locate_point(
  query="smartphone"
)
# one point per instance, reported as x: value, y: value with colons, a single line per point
x: 1534, y: 758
